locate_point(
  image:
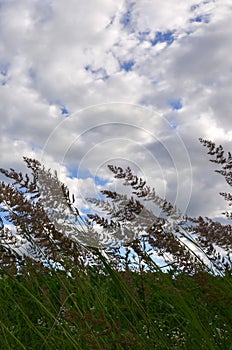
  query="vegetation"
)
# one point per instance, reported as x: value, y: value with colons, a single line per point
x: 66, y: 282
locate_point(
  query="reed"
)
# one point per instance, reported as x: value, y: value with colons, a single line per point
x: 77, y: 289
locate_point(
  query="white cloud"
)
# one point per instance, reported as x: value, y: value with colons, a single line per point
x: 96, y: 61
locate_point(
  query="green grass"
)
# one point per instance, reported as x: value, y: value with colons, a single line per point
x: 101, y: 307
x: 44, y: 309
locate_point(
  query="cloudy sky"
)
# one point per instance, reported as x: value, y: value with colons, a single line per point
x: 84, y: 84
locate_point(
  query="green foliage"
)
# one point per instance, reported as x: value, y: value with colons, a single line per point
x: 61, y: 294
x: 114, y: 310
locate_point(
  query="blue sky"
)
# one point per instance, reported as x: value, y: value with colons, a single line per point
x: 84, y: 84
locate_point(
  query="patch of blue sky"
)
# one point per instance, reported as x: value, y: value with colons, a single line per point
x: 135, y: 262
x: 161, y: 37
x: 173, y: 125
x: 143, y: 35
x: 176, y: 104
x: 99, y: 73
x: 200, y: 19
x: 74, y: 171
x: 127, y: 65
x: 64, y: 111
x: 100, y: 181
x: 77, y: 173
x: 127, y: 16
x: 88, y: 68
x: 85, y: 211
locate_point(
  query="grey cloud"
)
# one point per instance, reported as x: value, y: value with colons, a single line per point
x: 46, y: 47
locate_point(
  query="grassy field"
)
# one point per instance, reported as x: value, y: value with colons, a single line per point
x: 111, y: 305
x: 46, y: 309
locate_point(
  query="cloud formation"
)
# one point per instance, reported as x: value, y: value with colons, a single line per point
x: 84, y: 84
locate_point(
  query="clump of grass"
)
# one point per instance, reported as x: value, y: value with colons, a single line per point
x: 46, y: 309
x: 69, y: 295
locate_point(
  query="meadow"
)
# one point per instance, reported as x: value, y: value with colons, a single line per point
x: 110, y: 309
x: 66, y: 295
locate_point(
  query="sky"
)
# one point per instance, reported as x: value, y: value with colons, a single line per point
x: 84, y: 84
